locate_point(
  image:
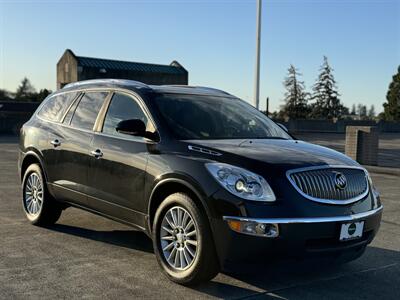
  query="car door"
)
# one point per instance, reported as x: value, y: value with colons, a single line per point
x: 73, y: 150
x: 117, y: 171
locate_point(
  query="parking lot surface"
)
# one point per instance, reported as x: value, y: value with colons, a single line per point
x: 86, y: 256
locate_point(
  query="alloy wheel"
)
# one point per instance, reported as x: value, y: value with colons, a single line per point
x: 178, y: 238
x: 33, y: 194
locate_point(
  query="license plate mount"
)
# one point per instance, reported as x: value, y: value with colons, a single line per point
x: 350, y: 231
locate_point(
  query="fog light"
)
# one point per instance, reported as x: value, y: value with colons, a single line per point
x: 260, y: 228
x: 254, y: 228
x: 272, y: 230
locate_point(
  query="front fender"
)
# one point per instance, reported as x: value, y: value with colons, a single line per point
x: 188, y: 182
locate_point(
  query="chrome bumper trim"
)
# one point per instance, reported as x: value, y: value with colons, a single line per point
x: 307, y: 220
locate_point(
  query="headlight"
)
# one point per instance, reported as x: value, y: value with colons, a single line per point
x: 241, y: 183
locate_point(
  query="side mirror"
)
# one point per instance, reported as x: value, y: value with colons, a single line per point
x: 134, y: 127
x: 283, y: 127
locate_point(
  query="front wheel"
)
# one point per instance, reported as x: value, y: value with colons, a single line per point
x: 183, y: 242
x: 39, y: 207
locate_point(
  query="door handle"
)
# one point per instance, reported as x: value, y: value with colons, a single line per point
x: 55, y: 143
x: 97, y: 153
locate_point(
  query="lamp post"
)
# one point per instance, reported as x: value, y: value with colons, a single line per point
x: 257, y: 69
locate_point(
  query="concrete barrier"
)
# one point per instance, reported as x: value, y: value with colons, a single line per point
x: 362, y: 143
x: 14, y: 114
x: 11, y: 123
x: 389, y: 126
x: 339, y: 126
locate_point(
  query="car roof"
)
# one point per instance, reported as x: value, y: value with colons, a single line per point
x: 140, y: 86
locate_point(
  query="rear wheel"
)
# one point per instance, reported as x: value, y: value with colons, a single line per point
x: 182, y: 241
x: 39, y: 207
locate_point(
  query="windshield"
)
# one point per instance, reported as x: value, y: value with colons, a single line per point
x: 209, y: 117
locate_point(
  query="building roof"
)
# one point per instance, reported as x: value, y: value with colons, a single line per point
x: 111, y: 64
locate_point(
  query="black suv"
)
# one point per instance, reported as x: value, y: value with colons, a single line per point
x: 208, y: 177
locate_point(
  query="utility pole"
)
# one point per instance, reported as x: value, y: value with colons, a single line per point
x: 257, y: 71
x: 267, y: 107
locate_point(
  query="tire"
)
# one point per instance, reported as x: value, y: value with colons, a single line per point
x: 39, y: 206
x: 188, y: 269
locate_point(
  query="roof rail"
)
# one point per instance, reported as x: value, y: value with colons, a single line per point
x: 213, y: 89
x: 105, y: 81
x: 198, y: 87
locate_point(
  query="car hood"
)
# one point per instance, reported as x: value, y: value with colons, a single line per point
x: 282, y: 154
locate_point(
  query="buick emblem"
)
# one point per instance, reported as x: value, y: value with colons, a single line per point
x: 340, y: 181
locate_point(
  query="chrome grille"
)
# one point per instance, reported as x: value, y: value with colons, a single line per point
x: 318, y: 184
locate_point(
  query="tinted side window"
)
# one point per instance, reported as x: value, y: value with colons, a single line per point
x: 123, y: 107
x: 54, y: 108
x: 70, y: 113
x: 86, y: 113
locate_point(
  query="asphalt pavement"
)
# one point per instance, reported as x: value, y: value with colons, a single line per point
x: 86, y: 256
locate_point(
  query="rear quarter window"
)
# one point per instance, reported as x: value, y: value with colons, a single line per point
x: 54, y: 108
x: 88, y: 108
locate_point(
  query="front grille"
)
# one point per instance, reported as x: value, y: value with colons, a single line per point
x: 326, y: 185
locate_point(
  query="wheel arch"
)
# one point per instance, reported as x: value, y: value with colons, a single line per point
x: 31, y: 157
x: 168, y: 186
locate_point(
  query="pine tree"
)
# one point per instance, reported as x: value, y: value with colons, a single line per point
x: 5, y: 95
x: 25, y: 91
x: 362, y: 111
x: 371, y: 112
x: 327, y: 103
x: 353, y: 110
x: 295, y: 106
x: 43, y: 93
x: 392, y: 107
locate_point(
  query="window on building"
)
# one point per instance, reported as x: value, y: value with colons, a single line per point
x: 88, y: 108
x: 124, y: 107
x: 54, y: 107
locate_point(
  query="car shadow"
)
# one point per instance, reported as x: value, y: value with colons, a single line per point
x: 274, y: 280
x: 313, y: 277
x: 131, y: 239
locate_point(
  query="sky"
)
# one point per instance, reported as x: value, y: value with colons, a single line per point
x: 213, y: 39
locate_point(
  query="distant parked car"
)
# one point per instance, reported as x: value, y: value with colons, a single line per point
x: 208, y: 177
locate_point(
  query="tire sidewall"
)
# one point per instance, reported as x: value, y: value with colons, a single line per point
x: 34, y: 168
x: 180, y: 276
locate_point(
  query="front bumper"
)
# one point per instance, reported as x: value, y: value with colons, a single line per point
x: 297, y: 237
